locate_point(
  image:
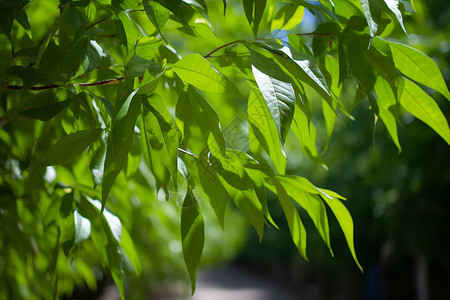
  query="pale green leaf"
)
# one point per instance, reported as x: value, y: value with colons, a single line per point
x: 287, y: 17
x: 393, y: 6
x: 82, y: 227
x: 192, y: 235
x: 126, y: 243
x: 422, y: 106
x: 346, y: 222
x: 419, y: 67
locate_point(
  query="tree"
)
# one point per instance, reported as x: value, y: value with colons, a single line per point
x: 108, y: 106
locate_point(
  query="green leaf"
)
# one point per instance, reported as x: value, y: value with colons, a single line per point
x: 67, y: 148
x: 46, y: 112
x: 277, y: 90
x: 264, y: 130
x: 192, y: 235
x: 157, y: 14
x: 119, y: 141
x: 345, y: 221
x: 296, y: 227
x: 386, y: 100
x: 254, y: 10
x: 192, y: 109
x: 312, y: 204
x: 393, y: 6
x: 159, y: 140
x: 196, y: 70
x: 240, y: 188
x: 304, y: 68
x: 419, y: 67
x: 422, y: 106
x: 82, y: 227
x: 74, y: 56
x: 306, y: 134
x: 287, y: 17
x: 372, y: 10
x: 94, y: 54
x: 126, y: 243
x: 149, y: 86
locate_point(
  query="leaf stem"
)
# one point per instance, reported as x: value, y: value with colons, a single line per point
x: 223, y: 46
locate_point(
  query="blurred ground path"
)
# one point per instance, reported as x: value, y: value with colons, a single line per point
x: 234, y: 283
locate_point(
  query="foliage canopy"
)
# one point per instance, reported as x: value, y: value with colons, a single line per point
x: 109, y: 106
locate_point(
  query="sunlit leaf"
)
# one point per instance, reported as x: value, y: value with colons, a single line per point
x: 287, y: 17
x: 423, y: 107
x: 372, y: 10
x: 346, y: 222
x: 82, y: 227
x: 393, y: 6
x: 419, y: 67
x: 196, y: 70
x: 386, y: 100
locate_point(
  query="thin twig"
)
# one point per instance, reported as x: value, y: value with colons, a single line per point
x: 187, y: 152
x: 92, y: 25
x: 55, y: 86
x: 223, y: 46
x: 314, y: 33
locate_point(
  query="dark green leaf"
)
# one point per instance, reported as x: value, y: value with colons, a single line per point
x: 254, y: 10
x: 159, y: 140
x: 119, y: 141
x: 157, y: 14
x: 67, y: 148
x: 192, y: 235
x: 296, y: 227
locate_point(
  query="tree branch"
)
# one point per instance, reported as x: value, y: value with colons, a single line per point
x: 55, y: 86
